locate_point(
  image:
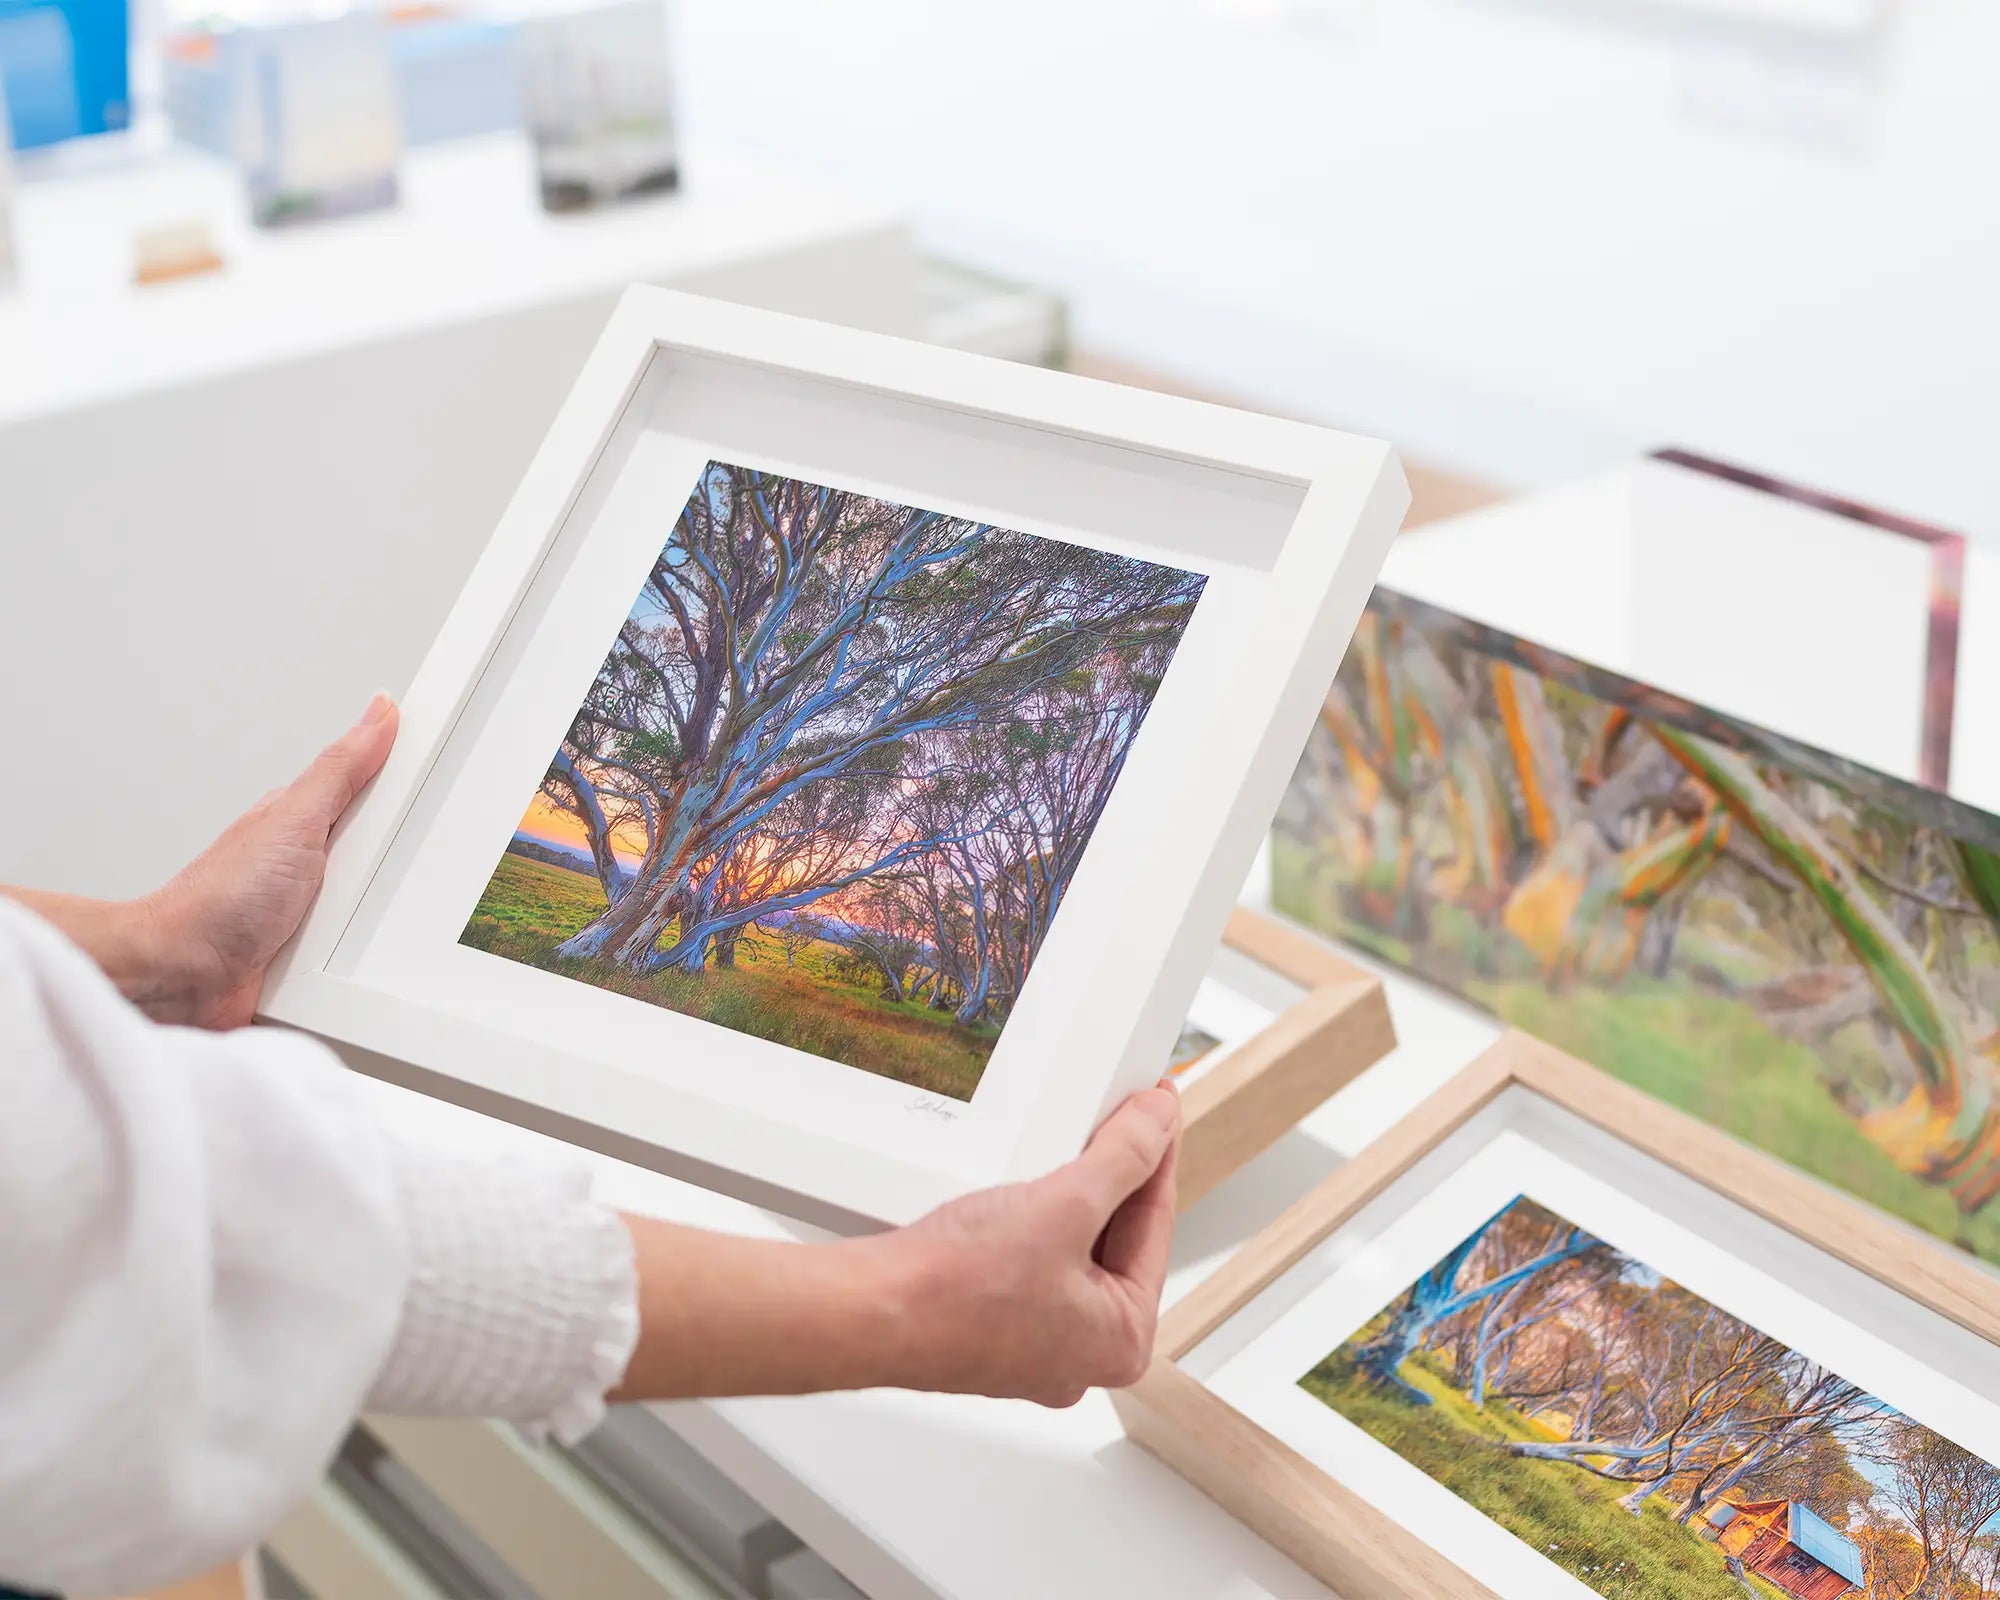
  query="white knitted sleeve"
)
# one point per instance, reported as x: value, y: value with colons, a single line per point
x: 214, y: 1251
x: 521, y: 1299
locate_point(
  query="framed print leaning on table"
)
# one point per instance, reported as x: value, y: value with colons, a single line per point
x: 1547, y: 1338
x: 839, y: 769
x: 1778, y: 940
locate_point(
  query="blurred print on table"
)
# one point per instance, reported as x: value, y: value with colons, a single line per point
x: 316, y: 127
x: 1649, y: 1443
x: 836, y: 773
x: 452, y: 69
x: 597, y: 94
x: 1796, y: 949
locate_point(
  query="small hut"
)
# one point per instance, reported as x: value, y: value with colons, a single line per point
x: 1789, y: 1545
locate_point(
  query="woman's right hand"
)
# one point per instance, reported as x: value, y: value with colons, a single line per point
x: 1035, y: 1291
x: 1042, y: 1290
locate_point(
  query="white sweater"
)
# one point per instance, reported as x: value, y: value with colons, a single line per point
x: 213, y: 1254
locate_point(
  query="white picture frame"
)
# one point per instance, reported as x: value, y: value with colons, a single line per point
x: 1288, y: 522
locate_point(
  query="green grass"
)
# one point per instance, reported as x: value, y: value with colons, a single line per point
x: 1712, y: 1057
x: 1568, y: 1515
x: 1707, y: 1054
x: 530, y: 907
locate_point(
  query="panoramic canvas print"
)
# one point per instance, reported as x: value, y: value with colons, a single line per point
x: 836, y: 773
x: 1649, y: 1443
x: 1796, y: 949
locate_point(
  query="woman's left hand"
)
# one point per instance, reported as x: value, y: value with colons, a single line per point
x: 225, y: 916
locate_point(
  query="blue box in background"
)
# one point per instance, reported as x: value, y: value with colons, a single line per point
x: 64, y: 65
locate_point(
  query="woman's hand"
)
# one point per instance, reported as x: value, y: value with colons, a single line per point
x: 197, y: 950
x: 1035, y: 1291
x: 227, y: 914
x: 1042, y: 1290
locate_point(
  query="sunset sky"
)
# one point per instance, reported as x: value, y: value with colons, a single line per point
x: 544, y: 822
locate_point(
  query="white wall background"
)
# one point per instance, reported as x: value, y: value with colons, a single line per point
x: 1525, y: 236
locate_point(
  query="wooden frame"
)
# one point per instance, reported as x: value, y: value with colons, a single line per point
x: 1289, y: 524
x: 1329, y: 1529
x: 1311, y: 1050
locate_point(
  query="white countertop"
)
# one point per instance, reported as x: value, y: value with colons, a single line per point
x: 467, y: 240
x: 917, y: 1496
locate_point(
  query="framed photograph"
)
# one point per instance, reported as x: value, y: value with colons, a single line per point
x: 1250, y: 1066
x: 1547, y: 1338
x: 834, y: 780
x: 1774, y: 939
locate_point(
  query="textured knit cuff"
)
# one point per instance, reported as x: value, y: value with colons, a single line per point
x: 522, y: 1299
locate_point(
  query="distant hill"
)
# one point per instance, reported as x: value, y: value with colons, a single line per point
x: 552, y: 854
x: 572, y: 859
x: 835, y: 928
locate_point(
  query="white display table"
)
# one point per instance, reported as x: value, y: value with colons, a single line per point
x: 234, y: 506
x: 940, y: 1496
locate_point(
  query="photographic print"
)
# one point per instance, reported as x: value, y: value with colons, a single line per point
x: 318, y: 131
x: 836, y: 773
x: 1194, y: 1046
x: 1793, y: 948
x: 1649, y: 1443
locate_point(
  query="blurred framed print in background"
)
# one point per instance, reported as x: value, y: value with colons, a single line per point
x: 835, y: 778
x: 314, y: 125
x: 597, y: 95
x: 1777, y: 940
x: 1547, y: 1338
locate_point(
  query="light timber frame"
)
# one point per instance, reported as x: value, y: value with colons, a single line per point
x: 1310, y: 1050
x: 1329, y: 1529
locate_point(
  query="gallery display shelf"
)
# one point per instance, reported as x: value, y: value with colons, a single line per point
x: 466, y: 241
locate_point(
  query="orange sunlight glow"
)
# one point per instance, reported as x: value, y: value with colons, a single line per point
x: 545, y: 822
x: 551, y: 825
